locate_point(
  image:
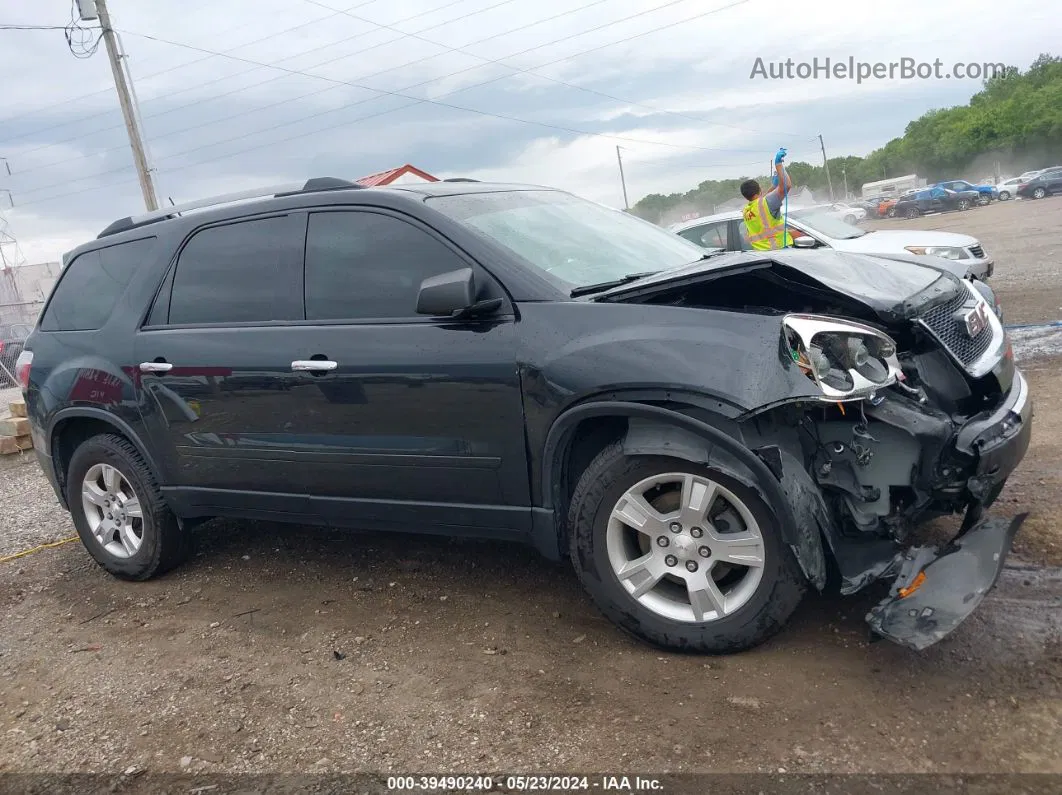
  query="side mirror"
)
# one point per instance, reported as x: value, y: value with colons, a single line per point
x: 804, y: 242
x: 453, y: 295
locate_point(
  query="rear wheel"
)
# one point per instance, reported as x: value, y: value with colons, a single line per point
x: 681, y: 555
x: 962, y: 204
x: 891, y: 212
x: 119, y: 511
x: 1039, y: 193
x: 912, y: 212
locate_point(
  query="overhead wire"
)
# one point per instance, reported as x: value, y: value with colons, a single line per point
x: 419, y: 100
x: 416, y: 101
x: 168, y: 70
x: 241, y: 89
x: 532, y: 72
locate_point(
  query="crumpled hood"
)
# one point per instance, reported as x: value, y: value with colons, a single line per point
x: 896, y: 287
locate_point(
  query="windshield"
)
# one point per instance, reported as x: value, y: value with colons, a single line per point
x: 572, y: 239
x: 822, y: 222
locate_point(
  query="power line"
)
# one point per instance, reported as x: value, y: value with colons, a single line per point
x: 416, y: 101
x: 168, y: 71
x: 241, y: 89
x: 333, y: 87
x: 533, y: 73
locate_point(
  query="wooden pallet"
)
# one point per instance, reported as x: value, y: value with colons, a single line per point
x: 15, y: 431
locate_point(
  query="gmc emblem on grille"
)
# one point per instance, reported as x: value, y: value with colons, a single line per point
x: 973, y: 321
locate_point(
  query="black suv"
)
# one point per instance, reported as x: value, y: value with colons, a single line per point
x: 703, y: 434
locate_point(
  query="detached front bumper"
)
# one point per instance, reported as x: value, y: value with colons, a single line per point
x: 936, y: 589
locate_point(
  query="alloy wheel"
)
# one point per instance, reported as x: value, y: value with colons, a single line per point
x: 685, y: 547
x: 112, y: 510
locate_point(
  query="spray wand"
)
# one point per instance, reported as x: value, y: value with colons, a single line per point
x: 779, y: 158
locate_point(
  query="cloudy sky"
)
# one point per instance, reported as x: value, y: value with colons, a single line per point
x: 239, y: 93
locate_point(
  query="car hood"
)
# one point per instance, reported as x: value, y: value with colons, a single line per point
x: 893, y: 288
x: 896, y: 240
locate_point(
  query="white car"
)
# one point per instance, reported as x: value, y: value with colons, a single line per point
x: 1009, y: 187
x: 812, y: 228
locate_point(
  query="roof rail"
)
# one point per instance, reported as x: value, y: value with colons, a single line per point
x: 314, y: 185
x: 460, y: 179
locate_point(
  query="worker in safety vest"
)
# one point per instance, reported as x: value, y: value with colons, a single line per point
x: 764, y: 224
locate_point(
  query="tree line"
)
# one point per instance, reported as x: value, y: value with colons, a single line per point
x: 1012, y: 124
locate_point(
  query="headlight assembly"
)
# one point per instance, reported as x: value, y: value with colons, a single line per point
x: 846, y: 360
x: 946, y: 252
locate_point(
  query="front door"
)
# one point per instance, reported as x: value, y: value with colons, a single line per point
x: 416, y: 423
x: 217, y: 390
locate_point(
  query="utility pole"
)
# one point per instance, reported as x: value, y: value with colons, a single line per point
x: 844, y: 173
x: 115, y: 55
x: 826, y: 165
x: 623, y: 181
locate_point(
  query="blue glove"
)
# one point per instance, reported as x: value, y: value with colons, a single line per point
x: 774, y: 181
x: 779, y: 156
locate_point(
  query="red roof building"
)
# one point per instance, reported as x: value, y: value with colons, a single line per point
x: 406, y: 173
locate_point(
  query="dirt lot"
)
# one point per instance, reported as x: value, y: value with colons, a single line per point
x: 299, y: 649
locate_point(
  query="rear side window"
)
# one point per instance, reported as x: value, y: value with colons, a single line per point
x: 245, y: 272
x: 91, y: 285
x: 362, y: 265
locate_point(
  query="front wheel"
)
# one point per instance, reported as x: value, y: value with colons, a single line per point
x: 681, y: 555
x: 1039, y: 193
x: 849, y: 219
x: 1004, y: 195
x: 984, y: 199
x: 962, y: 205
x: 119, y: 511
x: 891, y: 212
x: 912, y: 212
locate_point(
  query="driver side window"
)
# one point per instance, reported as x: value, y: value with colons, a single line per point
x: 709, y: 235
x: 365, y: 265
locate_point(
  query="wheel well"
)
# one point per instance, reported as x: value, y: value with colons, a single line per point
x: 586, y: 440
x: 69, y: 434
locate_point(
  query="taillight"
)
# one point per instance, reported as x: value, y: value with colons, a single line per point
x: 22, y: 369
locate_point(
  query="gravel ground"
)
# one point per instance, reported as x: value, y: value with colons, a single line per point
x: 285, y: 648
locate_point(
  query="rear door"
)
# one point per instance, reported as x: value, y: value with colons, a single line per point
x: 418, y: 424
x: 217, y: 391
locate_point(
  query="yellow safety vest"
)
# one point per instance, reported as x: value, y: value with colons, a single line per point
x: 765, y: 231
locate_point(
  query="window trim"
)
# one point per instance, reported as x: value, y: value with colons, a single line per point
x: 39, y: 325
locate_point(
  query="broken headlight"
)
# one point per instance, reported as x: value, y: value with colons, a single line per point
x: 846, y: 360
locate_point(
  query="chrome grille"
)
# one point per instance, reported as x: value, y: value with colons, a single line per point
x: 977, y: 251
x: 940, y: 320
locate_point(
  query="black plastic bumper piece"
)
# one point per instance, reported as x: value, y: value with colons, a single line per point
x: 935, y: 591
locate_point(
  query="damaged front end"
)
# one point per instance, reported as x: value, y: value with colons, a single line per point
x: 918, y: 412
x: 927, y: 424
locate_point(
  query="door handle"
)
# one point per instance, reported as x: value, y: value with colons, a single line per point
x: 313, y: 366
x: 155, y: 367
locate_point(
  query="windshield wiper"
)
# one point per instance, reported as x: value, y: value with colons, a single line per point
x: 586, y: 289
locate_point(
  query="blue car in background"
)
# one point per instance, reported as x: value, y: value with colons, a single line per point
x: 985, y: 193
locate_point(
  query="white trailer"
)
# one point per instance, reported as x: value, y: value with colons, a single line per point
x: 893, y: 187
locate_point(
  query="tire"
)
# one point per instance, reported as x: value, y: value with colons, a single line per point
x: 912, y: 212
x: 163, y: 544
x: 762, y: 601
x: 891, y: 213
x: 850, y: 219
x: 984, y: 200
x: 1004, y: 195
x: 1039, y: 193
